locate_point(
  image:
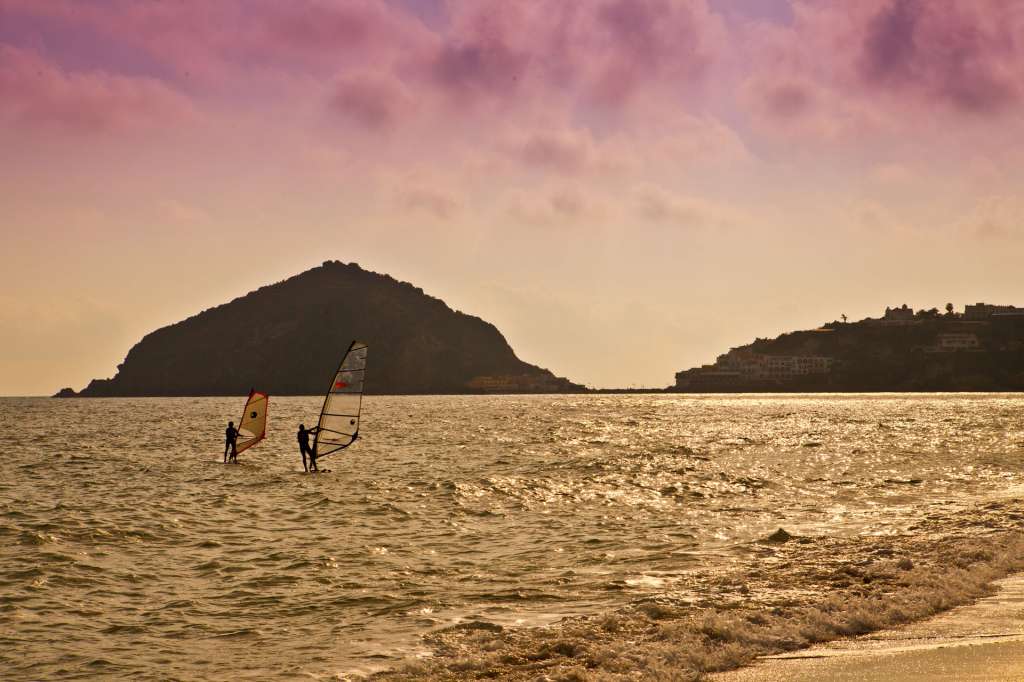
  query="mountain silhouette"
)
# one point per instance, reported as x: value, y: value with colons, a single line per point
x: 287, y: 339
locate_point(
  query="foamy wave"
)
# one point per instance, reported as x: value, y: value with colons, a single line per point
x: 847, y: 587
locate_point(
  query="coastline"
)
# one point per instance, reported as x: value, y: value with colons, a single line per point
x: 980, y: 641
x: 599, y: 391
x: 809, y: 597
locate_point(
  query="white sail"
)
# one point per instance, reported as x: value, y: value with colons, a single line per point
x: 339, y: 418
x: 253, y: 427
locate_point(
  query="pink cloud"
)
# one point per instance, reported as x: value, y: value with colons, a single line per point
x: 798, y: 107
x: 788, y: 99
x: 600, y: 51
x: 36, y: 93
x: 564, y: 151
x: 965, y: 54
x: 375, y: 101
x: 483, y: 54
x: 898, y: 58
x: 210, y: 42
x: 659, y: 205
x: 639, y: 41
x: 491, y: 58
x: 429, y: 197
x: 556, y: 206
x: 352, y: 34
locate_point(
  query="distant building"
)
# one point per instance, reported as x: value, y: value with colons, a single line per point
x: 740, y: 366
x: 516, y: 383
x: 951, y: 342
x: 791, y: 366
x: 901, y: 315
x: 983, y: 311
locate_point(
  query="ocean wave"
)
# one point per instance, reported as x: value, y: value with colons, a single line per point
x: 751, y: 615
x: 576, y: 525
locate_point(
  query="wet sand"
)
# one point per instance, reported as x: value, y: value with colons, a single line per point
x: 982, y: 641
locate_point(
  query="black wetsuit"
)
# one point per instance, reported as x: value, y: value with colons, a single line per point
x: 304, y: 449
x: 231, y: 443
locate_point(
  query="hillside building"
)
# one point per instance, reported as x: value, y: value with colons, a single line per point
x: 951, y: 342
x: 896, y: 316
x: 983, y: 311
x: 740, y: 366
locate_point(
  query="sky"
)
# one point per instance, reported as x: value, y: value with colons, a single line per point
x: 625, y: 188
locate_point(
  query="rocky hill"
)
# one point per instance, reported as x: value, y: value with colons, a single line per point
x: 981, y: 349
x: 287, y: 339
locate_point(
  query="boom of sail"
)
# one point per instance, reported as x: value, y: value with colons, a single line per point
x: 339, y: 419
x: 253, y: 426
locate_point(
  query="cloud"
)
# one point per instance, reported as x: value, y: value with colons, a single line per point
x: 894, y: 175
x: 37, y: 93
x: 884, y: 72
x: 482, y: 54
x: 598, y: 51
x: 350, y: 34
x: 648, y: 40
x: 656, y: 204
x: 965, y: 54
x: 375, y: 101
x: 430, y: 198
x: 788, y: 99
x: 563, y: 151
x: 550, y: 206
x: 211, y: 44
x: 888, y: 42
x: 908, y: 56
x: 491, y: 59
x: 994, y: 217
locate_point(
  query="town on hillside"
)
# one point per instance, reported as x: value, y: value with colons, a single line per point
x: 979, y: 349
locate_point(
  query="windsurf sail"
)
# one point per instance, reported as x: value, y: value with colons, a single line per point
x: 339, y: 419
x: 253, y: 427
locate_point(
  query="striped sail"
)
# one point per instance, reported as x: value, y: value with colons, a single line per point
x: 339, y: 418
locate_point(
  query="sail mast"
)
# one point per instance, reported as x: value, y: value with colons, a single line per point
x: 338, y: 426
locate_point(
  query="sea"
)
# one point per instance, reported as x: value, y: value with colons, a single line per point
x: 128, y: 550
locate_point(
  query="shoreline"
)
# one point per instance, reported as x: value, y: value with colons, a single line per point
x: 983, y: 640
x: 812, y: 597
x: 601, y: 391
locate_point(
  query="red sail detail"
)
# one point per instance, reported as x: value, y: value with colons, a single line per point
x: 340, y: 384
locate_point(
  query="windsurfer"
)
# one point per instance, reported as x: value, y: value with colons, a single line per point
x: 231, y: 442
x: 304, y: 449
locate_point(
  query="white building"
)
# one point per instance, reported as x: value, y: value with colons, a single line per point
x: 751, y: 365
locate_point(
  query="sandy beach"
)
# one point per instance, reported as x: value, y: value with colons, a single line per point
x: 982, y: 641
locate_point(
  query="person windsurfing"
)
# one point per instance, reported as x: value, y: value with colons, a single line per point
x: 304, y: 449
x: 231, y: 442
x: 338, y: 425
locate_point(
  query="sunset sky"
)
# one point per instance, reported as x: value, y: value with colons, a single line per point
x: 625, y: 188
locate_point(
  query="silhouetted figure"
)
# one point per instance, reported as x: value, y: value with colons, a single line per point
x: 304, y: 448
x: 231, y: 442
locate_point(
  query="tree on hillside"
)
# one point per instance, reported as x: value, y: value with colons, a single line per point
x: 949, y: 308
x: 843, y: 316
